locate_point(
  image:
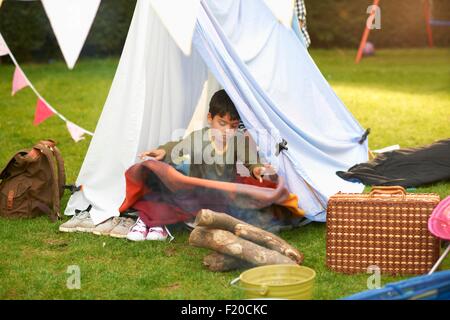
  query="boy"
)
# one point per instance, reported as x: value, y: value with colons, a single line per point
x: 220, y: 163
x: 210, y: 153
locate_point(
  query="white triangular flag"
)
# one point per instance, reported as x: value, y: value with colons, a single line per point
x: 179, y: 18
x: 71, y: 21
x: 77, y: 133
x: 3, y: 47
x: 282, y: 9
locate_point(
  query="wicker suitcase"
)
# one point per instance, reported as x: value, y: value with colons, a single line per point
x: 387, y: 228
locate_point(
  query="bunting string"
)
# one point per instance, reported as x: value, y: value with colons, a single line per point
x: 43, y: 109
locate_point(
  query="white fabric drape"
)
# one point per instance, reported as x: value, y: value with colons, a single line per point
x: 179, y: 18
x: 153, y: 96
x: 278, y: 89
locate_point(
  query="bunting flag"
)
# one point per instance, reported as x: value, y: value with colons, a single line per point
x: 75, y: 131
x: 42, y: 113
x: 19, y: 81
x: 71, y: 22
x: 43, y: 109
x: 3, y: 47
x: 179, y: 18
x: 283, y: 10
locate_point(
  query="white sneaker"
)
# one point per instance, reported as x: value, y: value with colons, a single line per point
x: 81, y: 221
x: 138, y: 232
x: 106, y: 227
x: 157, y: 234
x: 86, y: 224
x: 121, y: 230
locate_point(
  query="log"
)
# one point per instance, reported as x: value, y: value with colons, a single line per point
x: 212, y: 219
x: 227, y: 243
x: 268, y: 240
x: 220, y: 262
x: 216, y: 220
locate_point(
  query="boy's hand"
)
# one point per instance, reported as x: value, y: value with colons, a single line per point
x: 158, y: 154
x: 259, y: 172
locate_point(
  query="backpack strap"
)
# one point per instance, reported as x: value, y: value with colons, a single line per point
x: 61, y: 171
x: 48, y: 154
x: 60, y: 163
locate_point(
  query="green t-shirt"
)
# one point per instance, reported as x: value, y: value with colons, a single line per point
x: 206, y: 161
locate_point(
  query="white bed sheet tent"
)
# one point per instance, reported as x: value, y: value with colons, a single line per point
x: 160, y: 94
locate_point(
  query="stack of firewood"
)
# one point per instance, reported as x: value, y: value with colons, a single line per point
x: 238, y: 244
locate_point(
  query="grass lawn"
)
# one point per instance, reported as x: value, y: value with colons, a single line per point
x: 403, y: 95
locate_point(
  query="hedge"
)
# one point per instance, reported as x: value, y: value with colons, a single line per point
x: 331, y: 23
x: 340, y: 23
x: 27, y: 31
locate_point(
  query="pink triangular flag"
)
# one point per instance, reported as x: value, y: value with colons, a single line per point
x: 42, y: 112
x: 19, y: 81
x: 75, y: 131
x: 3, y: 47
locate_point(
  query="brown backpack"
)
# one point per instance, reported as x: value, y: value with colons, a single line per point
x: 32, y: 183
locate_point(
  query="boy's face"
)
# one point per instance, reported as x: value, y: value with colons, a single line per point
x: 223, y: 125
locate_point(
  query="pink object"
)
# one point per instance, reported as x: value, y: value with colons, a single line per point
x: 157, y: 234
x: 439, y: 222
x: 42, y: 112
x: 75, y: 131
x: 19, y: 81
x: 369, y: 49
x: 138, y: 232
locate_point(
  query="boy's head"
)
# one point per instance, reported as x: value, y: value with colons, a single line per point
x: 222, y: 114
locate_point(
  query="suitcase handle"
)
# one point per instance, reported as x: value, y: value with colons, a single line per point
x: 388, y: 190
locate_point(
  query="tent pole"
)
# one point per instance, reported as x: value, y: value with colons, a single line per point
x: 436, y: 265
x: 427, y: 14
x: 365, y: 36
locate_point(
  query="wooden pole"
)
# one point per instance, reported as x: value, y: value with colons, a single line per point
x: 366, y: 32
x: 427, y: 14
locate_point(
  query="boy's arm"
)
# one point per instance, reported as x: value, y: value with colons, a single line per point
x: 251, y: 157
x: 176, y: 149
x: 168, y: 147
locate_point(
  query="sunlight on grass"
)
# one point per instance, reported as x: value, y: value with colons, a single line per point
x: 402, y: 95
x: 397, y: 117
